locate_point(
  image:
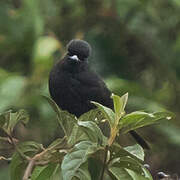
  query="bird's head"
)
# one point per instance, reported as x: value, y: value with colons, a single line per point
x: 78, y: 50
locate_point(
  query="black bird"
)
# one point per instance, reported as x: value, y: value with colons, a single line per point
x: 73, y: 85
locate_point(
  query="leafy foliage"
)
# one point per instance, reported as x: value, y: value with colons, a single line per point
x: 83, y: 143
x: 8, y: 120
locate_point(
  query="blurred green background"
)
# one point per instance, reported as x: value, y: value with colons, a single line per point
x: 136, y: 49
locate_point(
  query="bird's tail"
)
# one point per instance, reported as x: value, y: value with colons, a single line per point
x: 139, y: 140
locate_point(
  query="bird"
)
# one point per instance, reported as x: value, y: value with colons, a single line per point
x: 73, y: 85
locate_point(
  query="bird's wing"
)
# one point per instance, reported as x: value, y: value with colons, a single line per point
x: 92, y: 88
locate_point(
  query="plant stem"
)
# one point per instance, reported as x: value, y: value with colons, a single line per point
x: 113, y: 136
x: 17, y: 148
x: 104, y: 163
x: 29, y: 169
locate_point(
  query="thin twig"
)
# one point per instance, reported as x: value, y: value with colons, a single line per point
x: 104, y: 163
x: 42, y: 163
x: 3, y: 158
x: 29, y: 169
x: 33, y: 162
x: 17, y: 148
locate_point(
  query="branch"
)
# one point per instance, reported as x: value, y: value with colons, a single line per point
x: 37, y: 160
x: 29, y: 169
x: 31, y: 164
x: 17, y: 148
x: 5, y: 159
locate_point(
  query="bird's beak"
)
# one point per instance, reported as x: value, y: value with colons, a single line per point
x: 74, y: 57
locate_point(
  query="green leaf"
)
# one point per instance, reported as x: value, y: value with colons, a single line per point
x: 30, y: 146
x: 17, y: 167
x: 74, y: 159
x: 44, y: 172
x: 107, y: 112
x: 93, y: 132
x: 127, y: 167
x: 65, y: 119
x: 136, y: 150
x: 95, y: 164
x: 52, y: 104
x: 128, y: 163
x: 147, y: 174
x: 21, y: 115
x: 92, y: 115
x: 8, y: 120
x: 138, y: 176
x: 119, y: 104
x: 139, y: 119
x: 58, y: 143
x: 124, y: 100
x: 83, y: 173
x: 120, y: 173
x: 77, y: 135
x: 68, y: 120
